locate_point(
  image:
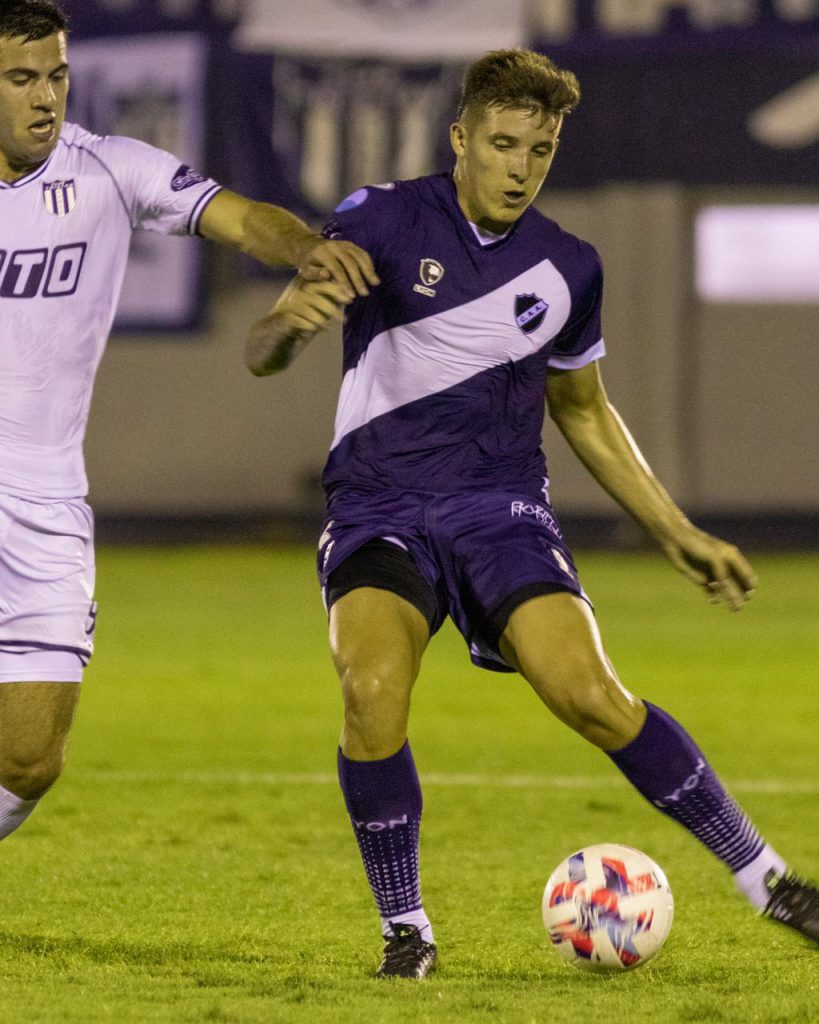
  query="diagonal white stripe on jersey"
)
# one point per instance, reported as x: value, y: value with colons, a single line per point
x: 428, y: 356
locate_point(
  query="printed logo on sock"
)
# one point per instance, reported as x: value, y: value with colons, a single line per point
x: 380, y: 826
x: 690, y: 783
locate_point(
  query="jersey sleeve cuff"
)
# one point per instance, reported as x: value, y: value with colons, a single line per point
x: 201, y: 204
x: 597, y: 351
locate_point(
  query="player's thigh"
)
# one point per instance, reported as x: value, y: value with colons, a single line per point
x: 377, y: 640
x: 47, y: 574
x: 554, y: 642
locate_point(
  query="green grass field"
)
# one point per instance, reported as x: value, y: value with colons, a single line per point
x: 195, y: 863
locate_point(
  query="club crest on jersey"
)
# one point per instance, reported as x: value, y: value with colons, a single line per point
x: 59, y: 196
x: 430, y: 272
x: 529, y: 312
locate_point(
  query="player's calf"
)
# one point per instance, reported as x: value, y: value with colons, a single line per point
x: 554, y: 643
x: 29, y: 772
x: 35, y: 718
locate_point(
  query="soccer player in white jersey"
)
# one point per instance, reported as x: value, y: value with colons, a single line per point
x: 69, y: 202
x: 438, y: 492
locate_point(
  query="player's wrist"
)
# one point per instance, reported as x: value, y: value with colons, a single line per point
x: 670, y: 528
x: 305, y: 247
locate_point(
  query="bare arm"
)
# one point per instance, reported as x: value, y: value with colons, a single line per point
x: 579, y: 406
x: 303, y: 308
x: 276, y: 237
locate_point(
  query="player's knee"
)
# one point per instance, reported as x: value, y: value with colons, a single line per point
x: 371, y: 691
x: 29, y: 774
x: 376, y: 709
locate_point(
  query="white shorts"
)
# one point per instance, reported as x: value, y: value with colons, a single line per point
x: 47, y: 610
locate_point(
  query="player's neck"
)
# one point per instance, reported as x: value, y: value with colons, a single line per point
x: 474, y: 214
x: 487, y: 237
x: 11, y: 171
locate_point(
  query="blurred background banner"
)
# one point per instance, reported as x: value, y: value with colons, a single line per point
x: 151, y: 88
x: 124, y: 17
x: 337, y: 93
x: 315, y: 99
x: 306, y: 131
x: 405, y: 30
x: 350, y: 91
x: 598, y: 21
x: 717, y: 114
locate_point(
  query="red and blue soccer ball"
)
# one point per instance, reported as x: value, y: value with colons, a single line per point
x: 608, y: 908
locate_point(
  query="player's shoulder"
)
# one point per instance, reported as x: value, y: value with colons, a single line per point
x: 117, y: 152
x: 381, y: 197
x: 391, y: 196
x: 75, y: 134
x: 75, y: 137
x: 573, y: 246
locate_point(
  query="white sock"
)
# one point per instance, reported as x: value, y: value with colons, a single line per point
x: 13, y: 811
x: 416, y: 917
x: 750, y: 880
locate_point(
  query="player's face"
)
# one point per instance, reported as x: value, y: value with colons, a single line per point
x: 503, y: 157
x: 33, y: 91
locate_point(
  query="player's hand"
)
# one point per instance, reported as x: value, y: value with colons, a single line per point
x: 303, y: 308
x: 341, y: 262
x: 310, y: 305
x: 713, y: 564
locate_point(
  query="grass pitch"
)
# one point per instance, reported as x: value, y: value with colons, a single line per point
x: 195, y: 863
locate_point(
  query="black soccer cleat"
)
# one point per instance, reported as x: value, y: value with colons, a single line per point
x: 406, y: 955
x: 794, y: 902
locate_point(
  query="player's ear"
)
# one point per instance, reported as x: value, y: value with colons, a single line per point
x: 457, y: 138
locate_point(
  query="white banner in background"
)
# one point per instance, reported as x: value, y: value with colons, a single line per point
x: 406, y: 30
x: 150, y: 88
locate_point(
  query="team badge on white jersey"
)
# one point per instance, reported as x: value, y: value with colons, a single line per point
x: 59, y: 196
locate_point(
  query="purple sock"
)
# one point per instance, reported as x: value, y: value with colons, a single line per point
x: 383, y: 799
x: 669, y: 769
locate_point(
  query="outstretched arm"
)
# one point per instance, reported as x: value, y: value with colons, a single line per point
x: 303, y: 308
x: 275, y: 237
x: 579, y: 406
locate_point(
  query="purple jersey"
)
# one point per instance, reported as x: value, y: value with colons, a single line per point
x: 445, y: 362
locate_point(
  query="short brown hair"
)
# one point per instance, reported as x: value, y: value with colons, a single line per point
x: 518, y: 78
x: 31, y: 19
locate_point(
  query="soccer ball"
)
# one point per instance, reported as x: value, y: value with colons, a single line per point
x: 608, y: 908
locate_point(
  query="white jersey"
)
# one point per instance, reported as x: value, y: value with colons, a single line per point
x: 65, y: 231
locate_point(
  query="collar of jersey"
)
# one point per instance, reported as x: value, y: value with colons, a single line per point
x: 29, y: 177
x: 467, y: 232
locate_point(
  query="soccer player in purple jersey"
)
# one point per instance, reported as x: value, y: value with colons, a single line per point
x: 69, y: 203
x: 438, y: 493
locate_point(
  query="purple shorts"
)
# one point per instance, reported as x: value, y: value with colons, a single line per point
x: 481, y: 554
